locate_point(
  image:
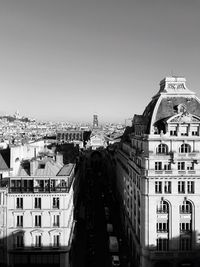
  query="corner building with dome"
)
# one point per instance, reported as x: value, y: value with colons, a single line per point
x: 158, y: 179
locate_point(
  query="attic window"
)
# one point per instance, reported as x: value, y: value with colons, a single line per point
x: 181, y: 108
x: 41, y: 166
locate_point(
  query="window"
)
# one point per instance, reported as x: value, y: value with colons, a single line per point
x: 181, y: 165
x: 194, y: 133
x: 138, y: 198
x: 19, y: 241
x: 167, y: 166
x: 56, y: 220
x: 56, y: 202
x: 162, y: 227
x: 56, y: 241
x: 183, y: 129
x: 41, y: 166
x: 162, y: 244
x: 167, y: 186
x: 38, y: 220
x: 185, y: 227
x: 190, y: 166
x: 158, y: 165
x: 19, y: 203
x: 185, y: 148
x: 190, y: 187
x: 181, y: 187
x: 173, y: 132
x: 138, y: 216
x: 186, y: 207
x: 158, y: 187
x: 163, y: 207
x: 185, y: 243
x: 37, y: 203
x: 38, y: 241
x: 162, y: 148
x: 19, y: 221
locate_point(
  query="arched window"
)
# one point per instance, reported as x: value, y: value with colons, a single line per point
x: 163, y: 207
x: 185, y: 148
x: 162, y: 148
x: 186, y: 207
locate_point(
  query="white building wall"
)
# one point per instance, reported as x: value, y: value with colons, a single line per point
x: 47, y: 212
x: 26, y: 151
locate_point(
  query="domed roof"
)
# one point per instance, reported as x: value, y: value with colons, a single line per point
x: 173, y: 95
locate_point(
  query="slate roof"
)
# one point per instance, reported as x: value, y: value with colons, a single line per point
x: 49, y: 168
x: 173, y: 92
x: 3, y: 165
x: 66, y: 170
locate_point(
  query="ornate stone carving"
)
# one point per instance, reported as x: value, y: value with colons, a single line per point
x: 185, y: 117
x: 176, y: 86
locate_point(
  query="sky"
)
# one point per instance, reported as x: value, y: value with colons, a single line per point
x: 65, y: 60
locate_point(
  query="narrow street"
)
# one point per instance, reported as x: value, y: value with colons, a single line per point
x: 91, y: 246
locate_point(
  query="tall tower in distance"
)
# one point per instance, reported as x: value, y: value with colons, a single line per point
x: 95, y: 122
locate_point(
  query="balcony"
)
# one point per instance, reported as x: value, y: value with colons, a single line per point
x: 185, y: 231
x: 185, y: 210
x: 162, y: 211
x: 156, y: 255
x: 162, y: 230
x: 171, y: 172
x: 192, y: 155
x: 38, y: 189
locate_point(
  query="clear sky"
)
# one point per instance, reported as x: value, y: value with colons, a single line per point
x: 70, y: 59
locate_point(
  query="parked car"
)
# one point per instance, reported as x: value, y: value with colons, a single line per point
x: 107, y: 213
x: 115, y: 261
x: 109, y: 228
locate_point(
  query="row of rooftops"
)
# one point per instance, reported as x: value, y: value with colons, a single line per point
x: 44, y: 167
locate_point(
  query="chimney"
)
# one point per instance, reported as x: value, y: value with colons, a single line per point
x: 33, y: 166
x: 59, y: 158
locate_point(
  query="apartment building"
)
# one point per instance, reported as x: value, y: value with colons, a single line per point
x: 40, y: 213
x: 3, y: 247
x: 158, y: 179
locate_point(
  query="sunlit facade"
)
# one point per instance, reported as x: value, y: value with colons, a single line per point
x: 40, y: 213
x: 158, y: 179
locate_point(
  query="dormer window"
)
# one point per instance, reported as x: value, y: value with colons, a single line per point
x: 181, y: 108
x: 41, y: 166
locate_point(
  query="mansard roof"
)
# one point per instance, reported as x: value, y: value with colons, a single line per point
x: 171, y: 98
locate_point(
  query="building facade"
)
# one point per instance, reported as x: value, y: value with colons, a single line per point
x: 40, y: 213
x: 158, y: 179
x: 3, y: 224
x: 70, y: 136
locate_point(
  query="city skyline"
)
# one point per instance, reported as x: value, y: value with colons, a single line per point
x: 68, y: 60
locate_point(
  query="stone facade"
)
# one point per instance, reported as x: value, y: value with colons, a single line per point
x: 158, y: 182
x: 40, y: 213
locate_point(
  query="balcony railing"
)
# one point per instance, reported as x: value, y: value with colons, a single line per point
x: 160, y: 210
x: 185, y: 231
x: 162, y: 230
x: 38, y: 189
x: 172, y: 172
x: 185, y: 211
